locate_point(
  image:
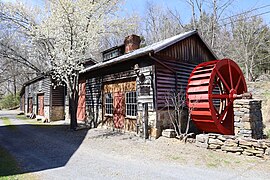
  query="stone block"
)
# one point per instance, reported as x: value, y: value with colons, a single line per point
x: 169, y: 133
x: 253, y: 151
x: 213, y: 135
x: 232, y: 149
x: 245, y: 142
x: 202, y: 145
x: 202, y: 138
x: 267, y: 152
x: 221, y: 137
x: 214, y: 146
x: 215, y: 141
x: 259, y: 144
x: 231, y: 143
x: 247, y: 153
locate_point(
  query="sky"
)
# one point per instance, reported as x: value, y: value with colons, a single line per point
x: 181, y: 6
x: 139, y: 6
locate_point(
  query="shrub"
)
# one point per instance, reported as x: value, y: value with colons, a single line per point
x: 9, y: 101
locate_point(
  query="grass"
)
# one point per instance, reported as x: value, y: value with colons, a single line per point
x: 22, y: 117
x: 6, y: 121
x: 9, y: 168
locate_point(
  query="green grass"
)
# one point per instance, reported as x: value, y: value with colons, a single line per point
x: 6, y: 121
x: 22, y: 117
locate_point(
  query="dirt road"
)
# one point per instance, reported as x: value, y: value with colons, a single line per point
x: 54, y: 152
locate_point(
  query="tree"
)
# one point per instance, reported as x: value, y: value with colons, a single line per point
x: 160, y: 23
x: 250, y: 44
x: 71, y: 34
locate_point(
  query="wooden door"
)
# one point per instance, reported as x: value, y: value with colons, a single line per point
x: 23, y: 103
x: 41, y: 105
x: 30, y: 105
x: 119, y: 109
x: 81, y: 102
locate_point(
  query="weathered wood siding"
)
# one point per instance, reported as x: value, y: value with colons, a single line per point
x: 182, y: 57
x: 191, y: 50
x: 58, y: 97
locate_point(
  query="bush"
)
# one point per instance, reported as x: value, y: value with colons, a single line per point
x: 9, y: 101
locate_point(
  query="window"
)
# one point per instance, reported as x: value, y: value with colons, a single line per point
x: 131, y: 103
x: 108, y: 103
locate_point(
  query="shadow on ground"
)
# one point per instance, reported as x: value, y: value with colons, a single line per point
x: 40, y: 147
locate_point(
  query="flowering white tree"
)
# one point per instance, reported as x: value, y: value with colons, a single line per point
x: 71, y: 34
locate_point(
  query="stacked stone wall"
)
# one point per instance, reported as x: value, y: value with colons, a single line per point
x: 248, y: 118
x: 233, y: 144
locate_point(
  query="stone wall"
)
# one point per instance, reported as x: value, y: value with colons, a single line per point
x: 248, y: 118
x: 57, y: 113
x: 233, y: 144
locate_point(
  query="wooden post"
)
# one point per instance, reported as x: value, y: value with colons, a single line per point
x: 145, y: 120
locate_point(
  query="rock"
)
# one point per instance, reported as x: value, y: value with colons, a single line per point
x: 202, y: 145
x: 253, y: 151
x: 267, y: 152
x: 203, y: 138
x: 231, y: 143
x: 245, y: 142
x: 231, y: 149
x: 215, y: 141
x: 247, y: 153
x: 214, y: 146
x: 213, y: 135
x: 169, y: 133
x: 259, y: 144
x: 221, y: 137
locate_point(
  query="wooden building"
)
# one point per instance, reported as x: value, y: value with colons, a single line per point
x: 39, y: 97
x: 129, y: 76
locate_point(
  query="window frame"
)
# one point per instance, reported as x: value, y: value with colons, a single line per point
x: 131, y: 104
x: 108, y: 104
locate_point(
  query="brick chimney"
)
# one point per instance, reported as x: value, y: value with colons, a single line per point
x: 132, y: 42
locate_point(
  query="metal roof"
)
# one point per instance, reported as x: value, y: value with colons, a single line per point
x: 156, y: 47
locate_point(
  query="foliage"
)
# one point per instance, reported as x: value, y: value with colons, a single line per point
x: 9, y: 101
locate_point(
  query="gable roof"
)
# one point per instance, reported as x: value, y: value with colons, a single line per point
x: 154, y: 48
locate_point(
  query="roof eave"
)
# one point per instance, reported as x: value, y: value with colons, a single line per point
x: 112, y: 62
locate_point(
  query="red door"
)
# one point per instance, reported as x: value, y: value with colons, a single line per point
x: 30, y: 105
x: 41, y: 105
x: 118, y: 110
x: 81, y: 102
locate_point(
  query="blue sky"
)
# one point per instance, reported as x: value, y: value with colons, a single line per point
x: 238, y: 6
x: 180, y: 5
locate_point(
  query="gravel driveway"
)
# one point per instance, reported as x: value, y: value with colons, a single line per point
x: 52, y: 151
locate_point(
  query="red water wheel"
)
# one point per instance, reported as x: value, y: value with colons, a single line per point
x: 212, y: 88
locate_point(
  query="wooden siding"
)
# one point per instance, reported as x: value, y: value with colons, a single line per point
x: 46, y: 88
x: 58, y: 96
x: 191, y: 50
x: 182, y: 57
x: 166, y: 79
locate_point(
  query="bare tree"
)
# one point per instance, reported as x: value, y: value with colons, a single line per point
x: 160, y: 23
x: 175, y: 102
x: 250, y: 44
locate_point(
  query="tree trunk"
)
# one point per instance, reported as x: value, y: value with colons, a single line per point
x: 73, y: 104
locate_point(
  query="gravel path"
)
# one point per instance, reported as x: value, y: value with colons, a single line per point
x: 52, y: 151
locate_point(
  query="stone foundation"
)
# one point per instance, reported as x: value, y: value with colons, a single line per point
x: 57, y: 113
x: 248, y: 118
x: 233, y: 144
